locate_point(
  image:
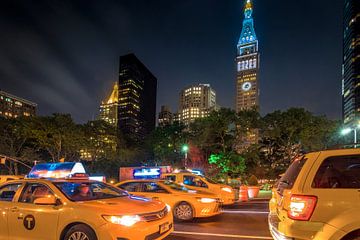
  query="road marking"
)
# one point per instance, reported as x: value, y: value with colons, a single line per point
x: 221, y: 235
x: 247, y: 212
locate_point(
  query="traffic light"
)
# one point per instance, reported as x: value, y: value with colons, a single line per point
x: 2, y: 160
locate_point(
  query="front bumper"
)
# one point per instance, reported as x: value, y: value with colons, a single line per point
x: 139, y: 231
x: 208, y: 210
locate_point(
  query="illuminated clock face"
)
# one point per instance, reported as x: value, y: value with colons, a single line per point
x: 246, y: 86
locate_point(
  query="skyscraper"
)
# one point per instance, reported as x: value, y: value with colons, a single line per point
x: 247, y: 64
x: 137, y: 99
x: 195, y: 102
x: 12, y: 106
x: 351, y: 63
x: 109, y: 108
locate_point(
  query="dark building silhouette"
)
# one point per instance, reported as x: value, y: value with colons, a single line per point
x: 351, y: 63
x: 137, y: 99
x: 12, y: 106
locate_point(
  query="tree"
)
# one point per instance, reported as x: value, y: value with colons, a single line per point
x: 166, y: 143
x: 58, y: 135
x: 287, y: 134
x: 15, y: 142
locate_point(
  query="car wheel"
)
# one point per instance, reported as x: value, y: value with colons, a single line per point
x: 80, y: 232
x: 183, y: 212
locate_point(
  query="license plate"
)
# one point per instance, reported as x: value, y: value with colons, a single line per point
x: 163, y: 227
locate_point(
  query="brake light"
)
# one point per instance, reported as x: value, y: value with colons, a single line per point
x: 301, y: 207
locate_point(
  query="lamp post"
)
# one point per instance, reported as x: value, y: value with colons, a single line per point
x: 185, y: 149
x: 346, y: 131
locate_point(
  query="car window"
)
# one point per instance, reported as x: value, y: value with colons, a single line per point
x: 132, y: 187
x: 170, y: 178
x: 338, y: 172
x: 87, y: 191
x: 33, y: 191
x: 288, y: 179
x: 175, y: 186
x: 153, y: 187
x: 194, y: 181
x: 8, y: 191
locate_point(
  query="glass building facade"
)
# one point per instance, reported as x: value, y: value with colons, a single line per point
x: 137, y: 99
x: 351, y: 63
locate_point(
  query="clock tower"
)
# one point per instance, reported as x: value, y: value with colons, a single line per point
x: 247, y: 64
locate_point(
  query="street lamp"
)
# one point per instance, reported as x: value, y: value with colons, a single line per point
x: 185, y: 149
x: 346, y: 131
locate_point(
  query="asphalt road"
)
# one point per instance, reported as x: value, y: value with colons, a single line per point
x: 243, y: 221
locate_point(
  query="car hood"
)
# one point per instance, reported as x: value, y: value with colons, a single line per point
x: 125, y: 205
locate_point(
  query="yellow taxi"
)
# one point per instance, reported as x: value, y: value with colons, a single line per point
x: 186, y: 204
x: 5, y: 178
x: 318, y: 198
x: 199, y: 183
x: 78, y: 209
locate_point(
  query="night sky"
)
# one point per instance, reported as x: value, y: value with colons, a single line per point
x: 64, y: 55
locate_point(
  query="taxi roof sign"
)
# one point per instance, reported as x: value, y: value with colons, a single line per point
x: 56, y: 170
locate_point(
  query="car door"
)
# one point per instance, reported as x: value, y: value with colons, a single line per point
x: 29, y: 221
x: 7, y: 195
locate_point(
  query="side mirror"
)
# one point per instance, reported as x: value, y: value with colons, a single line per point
x: 48, y: 200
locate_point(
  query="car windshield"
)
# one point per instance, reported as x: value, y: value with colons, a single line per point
x: 87, y: 191
x: 175, y: 186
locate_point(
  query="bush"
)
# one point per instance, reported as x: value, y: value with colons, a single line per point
x: 253, y: 181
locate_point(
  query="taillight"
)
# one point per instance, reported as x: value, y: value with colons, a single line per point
x: 301, y: 207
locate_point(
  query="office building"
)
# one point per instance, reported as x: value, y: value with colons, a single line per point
x: 165, y: 116
x: 247, y: 64
x: 137, y: 99
x: 351, y: 64
x: 110, y: 107
x: 12, y: 106
x: 196, y: 101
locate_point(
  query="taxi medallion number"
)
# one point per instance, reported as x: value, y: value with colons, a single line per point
x: 163, y: 227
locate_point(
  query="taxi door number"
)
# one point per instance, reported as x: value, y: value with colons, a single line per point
x: 163, y: 227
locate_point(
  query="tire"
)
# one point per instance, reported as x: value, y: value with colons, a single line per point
x: 80, y: 232
x: 183, y: 212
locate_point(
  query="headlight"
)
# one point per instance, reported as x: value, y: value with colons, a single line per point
x: 123, y: 220
x: 227, y: 189
x: 168, y: 207
x: 206, y: 200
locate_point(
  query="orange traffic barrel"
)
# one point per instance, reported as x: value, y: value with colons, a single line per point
x: 243, y: 194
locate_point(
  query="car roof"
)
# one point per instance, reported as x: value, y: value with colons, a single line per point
x: 43, y: 180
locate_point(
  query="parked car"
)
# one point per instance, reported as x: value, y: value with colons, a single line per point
x: 318, y: 198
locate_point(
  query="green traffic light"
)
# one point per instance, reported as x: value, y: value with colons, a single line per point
x: 185, y: 148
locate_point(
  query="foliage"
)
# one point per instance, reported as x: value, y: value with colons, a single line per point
x: 166, y: 143
x: 253, y: 181
x: 231, y: 164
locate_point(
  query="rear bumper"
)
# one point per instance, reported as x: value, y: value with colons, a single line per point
x: 273, y: 227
